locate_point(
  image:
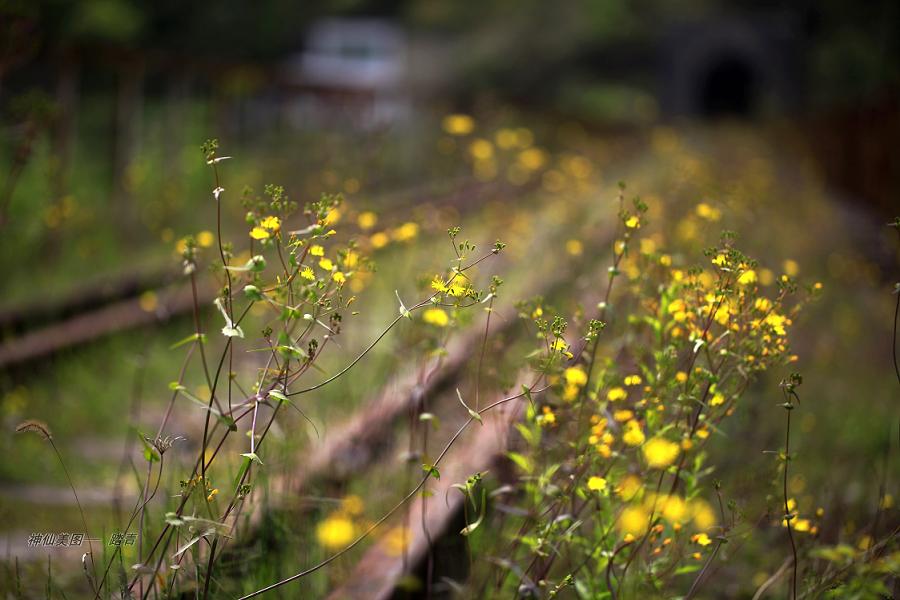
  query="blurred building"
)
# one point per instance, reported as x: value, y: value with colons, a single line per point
x: 351, y: 70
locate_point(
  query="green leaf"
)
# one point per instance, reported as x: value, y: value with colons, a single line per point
x: 230, y: 329
x: 227, y: 422
x: 472, y: 413
x: 520, y: 460
x: 252, y: 292
x: 403, y: 310
x: 245, y: 464
x: 432, y: 471
x: 468, y: 529
x: 151, y: 454
x: 278, y: 396
x: 252, y: 456
x: 191, y: 338
x: 435, y: 422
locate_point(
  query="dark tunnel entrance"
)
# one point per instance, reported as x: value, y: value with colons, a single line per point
x: 730, y: 87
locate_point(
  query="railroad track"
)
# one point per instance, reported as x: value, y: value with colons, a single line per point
x: 123, y: 313
x: 360, y: 441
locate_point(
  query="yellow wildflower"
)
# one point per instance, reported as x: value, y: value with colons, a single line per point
x: 335, y: 532
x: 339, y: 277
x: 703, y: 514
x: 633, y: 435
x: 307, y: 273
x: 332, y: 217
x: 205, y: 239
x: 548, y: 417
x: 379, y: 240
x: 326, y: 264
x: 632, y: 222
x: 674, y: 509
x: 633, y: 520
x: 406, y: 232
x: 633, y: 380
x: 596, y: 484
x: 701, y: 539
x: 317, y: 250
x: 747, y: 277
x: 791, y: 267
x: 366, y: 220
x: 623, y: 415
x: 616, y: 393
x: 436, y: 317
x: 660, y: 452
x: 458, y: 124
x: 271, y: 223
x: 705, y: 211
x: 258, y: 233
x: 574, y: 247
x: 575, y: 376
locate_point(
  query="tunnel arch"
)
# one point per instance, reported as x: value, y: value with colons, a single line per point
x: 729, y: 67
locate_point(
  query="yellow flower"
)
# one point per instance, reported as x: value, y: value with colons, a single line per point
x: 258, y: 233
x: 623, y: 415
x: 212, y: 495
x: 616, y: 393
x: 747, y: 277
x: 762, y: 304
x: 674, y: 509
x: 680, y: 376
x: 633, y: 435
x: 307, y: 273
x: 379, y: 240
x: 317, y: 250
x: 405, y: 232
x: 702, y: 539
x: 703, y: 514
x: 660, y: 452
x: 339, y: 277
x: 332, y: 217
x: 632, y: 222
x: 705, y: 211
x: 597, y: 484
x: 271, y: 223
x: 629, y: 487
x: 148, y: 301
x: 633, y: 380
x: 574, y: 247
x: 720, y: 260
x: 436, y: 317
x: 717, y: 399
x: 458, y: 124
x: 366, y: 220
x: 205, y: 239
x: 791, y: 268
x: 335, y: 532
x: 481, y: 149
x: 326, y: 264
x: 351, y: 259
x: 678, y: 309
x: 532, y: 158
x: 575, y: 376
x: 633, y: 520
x: 570, y: 392
x: 547, y: 417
